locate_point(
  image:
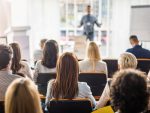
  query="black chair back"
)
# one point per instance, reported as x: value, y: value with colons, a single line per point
x: 42, y: 81
x: 144, y: 65
x: 96, y: 81
x: 2, y: 107
x: 69, y: 106
x: 112, y: 66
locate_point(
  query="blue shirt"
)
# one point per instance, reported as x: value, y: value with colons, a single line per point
x: 88, y: 22
x: 139, y: 52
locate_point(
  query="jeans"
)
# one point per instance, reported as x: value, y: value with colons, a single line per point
x: 90, y: 36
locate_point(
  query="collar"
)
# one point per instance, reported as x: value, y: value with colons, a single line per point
x: 137, y: 46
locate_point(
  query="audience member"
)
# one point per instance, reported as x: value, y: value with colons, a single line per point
x: 66, y: 85
x: 125, y: 61
x: 39, y: 52
x: 48, y: 62
x: 22, y: 97
x: 93, y: 61
x: 137, y: 49
x: 19, y: 66
x: 129, y: 92
x: 6, y: 77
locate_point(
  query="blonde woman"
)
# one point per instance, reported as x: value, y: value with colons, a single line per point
x: 22, y: 97
x: 125, y: 61
x: 93, y: 61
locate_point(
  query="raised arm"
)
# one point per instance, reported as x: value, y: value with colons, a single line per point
x: 97, y: 23
x: 81, y: 22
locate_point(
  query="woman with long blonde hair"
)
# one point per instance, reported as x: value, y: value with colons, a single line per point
x: 93, y: 61
x: 22, y: 97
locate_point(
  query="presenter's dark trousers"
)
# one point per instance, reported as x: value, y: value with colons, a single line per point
x: 90, y: 36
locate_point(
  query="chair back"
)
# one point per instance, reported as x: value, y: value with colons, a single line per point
x: 42, y: 81
x: 69, y: 106
x: 2, y: 107
x: 144, y: 65
x: 112, y: 66
x: 96, y: 81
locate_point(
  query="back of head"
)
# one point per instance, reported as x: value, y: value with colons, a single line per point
x: 93, y: 52
x: 16, y: 57
x: 50, y: 54
x: 129, y: 91
x: 134, y: 40
x: 5, y: 56
x: 66, y: 83
x: 42, y: 42
x: 127, y: 60
x: 22, y: 97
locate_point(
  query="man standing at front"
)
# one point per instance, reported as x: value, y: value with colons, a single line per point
x: 88, y: 22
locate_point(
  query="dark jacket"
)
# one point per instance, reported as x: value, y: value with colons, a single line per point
x: 139, y: 52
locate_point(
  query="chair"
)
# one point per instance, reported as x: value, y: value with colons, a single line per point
x: 42, y: 81
x: 2, y: 107
x: 96, y: 81
x: 69, y: 106
x: 144, y: 65
x: 112, y: 66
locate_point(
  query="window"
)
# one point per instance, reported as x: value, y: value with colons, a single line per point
x: 71, y: 13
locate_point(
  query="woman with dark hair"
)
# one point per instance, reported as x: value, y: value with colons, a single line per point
x: 19, y: 66
x: 48, y: 62
x: 129, y: 91
x: 66, y: 85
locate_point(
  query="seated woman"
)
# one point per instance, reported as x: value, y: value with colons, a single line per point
x: 129, y: 91
x: 93, y: 61
x: 18, y: 66
x: 48, y: 62
x: 22, y: 97
x: 66, y: 85
x: 126, y: 60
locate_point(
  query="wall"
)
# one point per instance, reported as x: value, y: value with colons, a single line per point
x: 120, y: 25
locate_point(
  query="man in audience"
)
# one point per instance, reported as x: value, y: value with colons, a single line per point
x: 137, y: 49
x: 38, y: 53
x: 5, y: 69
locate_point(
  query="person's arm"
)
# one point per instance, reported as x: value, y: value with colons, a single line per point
x: 97, y: 23
x: 105, y: 97
x: 106, y: 70
x: 81, y: 22
x: 89, y: 95
x: 48, y: 95
x: 37, y: 66
x: 29, y: 71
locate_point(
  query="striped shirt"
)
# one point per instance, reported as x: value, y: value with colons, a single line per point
x: 5, y: 79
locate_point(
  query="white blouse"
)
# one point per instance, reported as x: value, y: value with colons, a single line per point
x: 86, y: 66
x: 40, y: 68
x: 84, y: 92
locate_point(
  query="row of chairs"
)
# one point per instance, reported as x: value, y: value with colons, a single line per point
x: 64, y: 106
x: 112, y: 65
x: 96, y: 81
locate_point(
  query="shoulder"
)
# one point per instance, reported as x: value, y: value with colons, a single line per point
x: 39, y: 63
x: 37, y: 51
x: 83, y: 85
x: 102, y: 62
x: 24, y: 63
x: 14, y: 76
x: 129, y: 50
